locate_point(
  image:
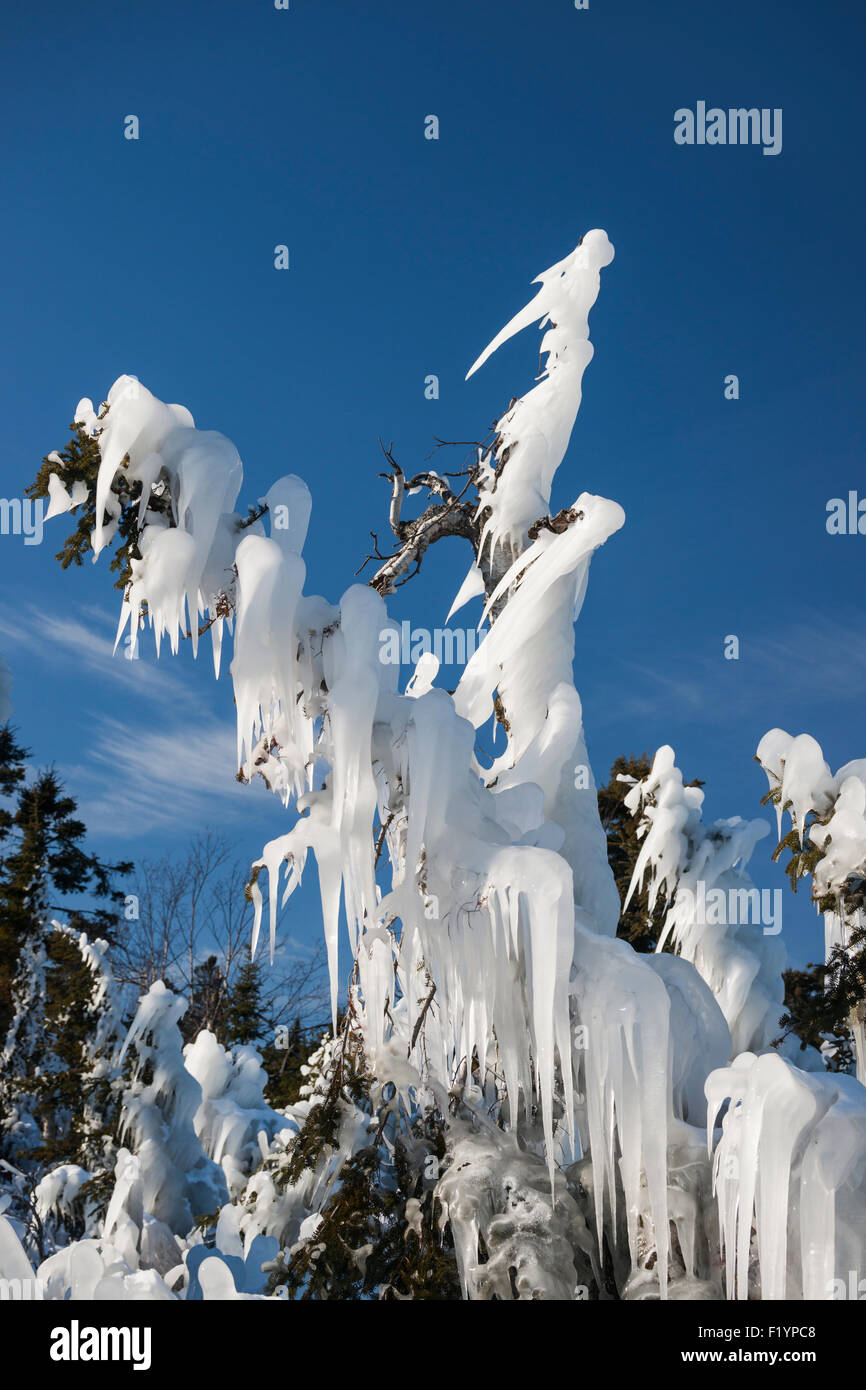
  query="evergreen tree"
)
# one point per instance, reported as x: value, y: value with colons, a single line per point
x: 284, y: 1049
x: 208, y: 1005
x: 77, y: 1078
x: 48, y: 1009
x: 817, y: 1009
x: 380, y: 1233
x: 245, y: 1021
x: 42, y: 864
x: 13, y: 759
x: 79, y: 462
x: 284, y: 1059
x: 825, y: 1004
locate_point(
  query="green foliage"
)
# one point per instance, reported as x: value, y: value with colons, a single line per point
x: 379, y: 1233
x: 42, y: 860
x: 96, y: 1195
x: 55, y: 1070
x: 13, y: 758
x: 805, y: 856
x: 816, y: 1012
x: 207, y: 1223
x: 245, y: 1018
x: 80, y: 463
x: 369, y: 1245
x: 348, y: 1084
x: 822, y: 1001
x: 208, y: 1003
x: 248, y: 1021
x: 51, y: 1062
x: 285, y: 1061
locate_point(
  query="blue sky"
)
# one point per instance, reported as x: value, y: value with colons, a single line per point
x: 305, y: 127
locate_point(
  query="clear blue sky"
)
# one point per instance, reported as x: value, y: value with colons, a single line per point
x: 305, y: 127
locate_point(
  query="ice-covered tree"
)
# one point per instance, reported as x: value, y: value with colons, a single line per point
x: 52, y: 1000
x: 510, y: 1077
x: 826, y: 843
x: 637, y: 924
x: 163, y: 1170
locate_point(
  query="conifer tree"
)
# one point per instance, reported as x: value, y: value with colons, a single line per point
x: 284, y: 1048
x: 284, y: 1058
x: 245, y: 1021
x: 79, y: 462
x: 825, y: 1004
x: 379, y: 1233
x: 208, y: 1001
x: 48, y: 1009
x: 13, y: 758
x: 817, y: 1007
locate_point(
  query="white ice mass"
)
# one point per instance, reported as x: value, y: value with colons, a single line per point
x: 608, y: 1101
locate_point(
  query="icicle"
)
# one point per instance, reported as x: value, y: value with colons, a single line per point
x: 792, y: 1153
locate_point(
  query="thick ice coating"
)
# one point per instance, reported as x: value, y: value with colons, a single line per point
x: 477, y: 909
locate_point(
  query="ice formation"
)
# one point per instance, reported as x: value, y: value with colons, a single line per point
x: 187, y: 552
x: 165, y: 1172
x: 715, y: 914
x: 233, y: 1122
x: 537, y: 428
x: 792, y: 1164
x: 488, y: 896
x: 23, y: 1050
x: 829, y: 812
x: 536, y: 1240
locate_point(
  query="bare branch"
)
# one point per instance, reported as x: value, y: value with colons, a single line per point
x: 380, y: 839
x: 456, y: 519
x: 419, y: 1022
x: 557, y: 524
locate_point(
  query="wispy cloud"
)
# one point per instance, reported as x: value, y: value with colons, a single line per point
x: 44, y: 634
x: 158, y: 779
x: 170, y: 766
x: 822, y: 657
x: 816, y: 661
x: 5, y: 691
x: 661, y: 689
